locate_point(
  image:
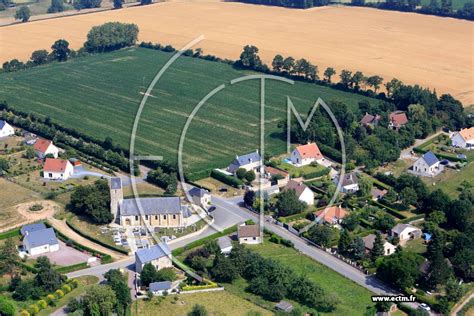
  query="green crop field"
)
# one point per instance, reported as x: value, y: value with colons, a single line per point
x: 99, y: 95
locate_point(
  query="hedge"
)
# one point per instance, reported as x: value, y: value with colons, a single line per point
x: 413, y: 218
x: 202, y: 241
x: 389, y: 210
x: 27, y: 267
x: 11, y: 233
x: 229, y: 180
x: 330, y: 152
x: 294, y: 217
x: 93, y: 239
x: 198, y: 175
x: 316, y: 174
x: 71, y: 268
x: 209, y: 285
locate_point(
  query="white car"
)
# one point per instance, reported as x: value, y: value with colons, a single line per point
x: 425, y: 306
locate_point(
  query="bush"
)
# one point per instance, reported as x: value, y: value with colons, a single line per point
x: 36, y: 207
x: 50, y: 298
x: 73, y: 283
x: 66, y: 288
x: 24, y: 313
x: 59, y: 293
x: 7, y: 307
x: 33, y: 309
x: 42, y: 304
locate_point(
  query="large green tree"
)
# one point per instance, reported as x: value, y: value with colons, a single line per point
x: 23, y: 13
x: 99, y: 300
x: 61, y: 50
x: 92, y: 201
x: 288, y: 203
x: 119, y: 284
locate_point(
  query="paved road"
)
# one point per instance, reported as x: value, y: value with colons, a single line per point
x: 406, y: 153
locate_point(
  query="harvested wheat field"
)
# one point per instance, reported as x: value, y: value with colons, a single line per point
x: 431, y: 51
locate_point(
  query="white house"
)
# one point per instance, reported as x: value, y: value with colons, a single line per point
x: 427, y: 165
x: 405, y: 232
x: 303, y: 193
x: 249, y: 234
x: 6, y: 129
x: 388, y: 248
x: 350, y: 182
x: 225, y: 245
x: 200, y: 197
x: 463, y: 139
x: 306, y: 154
x: 251, y: 161
x: 158, y: 255
x: 40, y: 241
x: 57, y: 169
x: 44, y: 147
x: 159, y: 288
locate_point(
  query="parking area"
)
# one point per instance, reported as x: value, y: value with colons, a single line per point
x: 65, y: 256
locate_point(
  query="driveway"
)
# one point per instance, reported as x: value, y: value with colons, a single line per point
x: 80, y: 172
x: 65, y: 256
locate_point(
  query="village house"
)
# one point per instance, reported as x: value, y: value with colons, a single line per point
x: 57, y: 169
x: 302, y: 191
x: 370, y: 120
x: 350, y: 182
x: 332, y: 215
x: 225, y: 245
x: 463, y: 139
x: 158, y: 255
x: 369, y: 240
x: 159, y: 288
x: 405, y: 232
x: 31, y: 228
x: 156, y: 212
x: 6, y: 129
x: 44, y: 147
x: 200, y: 197
x: 377, y: 193
x: 427, y: 165
x: 397, y: 119
x: 251, y: 161
x: 38, y: 240
x: 306, y: 154
x: 249, y: 234
x: 281, y: 177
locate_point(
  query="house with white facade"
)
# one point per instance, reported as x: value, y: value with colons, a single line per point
x: 200, y: 197
x: 249, y: 234
x: 6, y: 129
x: 38, y: 241
x: 350, y: 182
x: 57, y: 169
x: 306, y: 154
x: 158, y: 255
x: 252, y: 161
x: 397, y: 119
x: 44, y: 147
x: 302, y: 191
x: 463, y: 139
x: 427, y: 165
x: 369, y: 241
x: 405, y: 232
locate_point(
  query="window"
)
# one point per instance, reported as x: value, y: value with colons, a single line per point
x: 146, y: 217
x: 254, y: 238
x: 174, y: 216
x: 50, y: 175
x: 136, y: 218
x: 156, y: 217
x: 164, y: 216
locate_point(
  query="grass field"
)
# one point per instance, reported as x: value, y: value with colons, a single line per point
x: 450, y: 180
x: 353, y: 298
x: 99, y: 95
x: 216, y: 303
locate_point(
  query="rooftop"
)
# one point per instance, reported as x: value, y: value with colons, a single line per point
x: 116, y: 183
x: 310, y: 150
x: 155, y: 252
x: 55, y: 165
x: 32, y: 227
x: 2, y: 124
x: 401, y: 227
x: 430, y: 158
x: 299, y: 187
x: 248, y: 231
x: 160, y: 286
x: 151, y: 206
x: 198, y: 192
x: 332, y: 214
x: 42, y: 145
x: 467, y: 133
x: 41, y: 237
x: 350, y: 178
x: 246, y: 159
x: 224, y: 242
x: 398, y: 118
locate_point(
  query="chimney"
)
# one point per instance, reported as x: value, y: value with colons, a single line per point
x: 256, y: 150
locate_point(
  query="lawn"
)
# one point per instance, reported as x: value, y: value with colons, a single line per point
x: 450, y: 180
x: 297, y: 172
x: 354, y: 299
x: 216, y: 303
x: 99, y: 96
x: 416, y: 246
x: 143, y: 189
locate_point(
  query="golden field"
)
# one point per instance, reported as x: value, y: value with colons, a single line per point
x: 431, y: 51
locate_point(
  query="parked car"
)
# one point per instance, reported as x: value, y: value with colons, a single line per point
x: 425, y: 307
x: 211, y: 209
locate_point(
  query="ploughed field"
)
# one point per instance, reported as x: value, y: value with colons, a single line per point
x: 431, y: 51
x: 99, y: 95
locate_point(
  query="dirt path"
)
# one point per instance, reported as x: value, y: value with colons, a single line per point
x: 63, y: 228
x: 27, y: 216
x: 458, y: 308
x: 376, y: 42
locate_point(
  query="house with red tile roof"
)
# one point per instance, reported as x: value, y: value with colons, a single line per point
x: 44, y: 147
x: 57, y: 169
x: 464, y: 138
x: 397, y: 119
x: 332, y: 215
x: 306, y: 154
x: 282, y: 176
x: 370, y: 120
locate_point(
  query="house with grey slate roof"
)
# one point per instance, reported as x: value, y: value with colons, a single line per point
x: 427, y: 165
x: 159, y: 288
x: 40, y: 241
x: 31, y: 228
x: 158, y: 255
x: 200, y: 197
x: 252, y: 161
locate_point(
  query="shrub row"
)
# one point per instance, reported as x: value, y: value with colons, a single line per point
x: 413, y: 218
x: 198, y: 175
x: 71, y: 268
x: 281, y: 241
x: 93, y: 239
x: 202, y: 241
x: 229, y: 180
x: 11, y: 233
x: 294, y: 217
x: 330, y: 152
x: 209, y: 285
x: 389, y: 210
x: 316, y: 174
